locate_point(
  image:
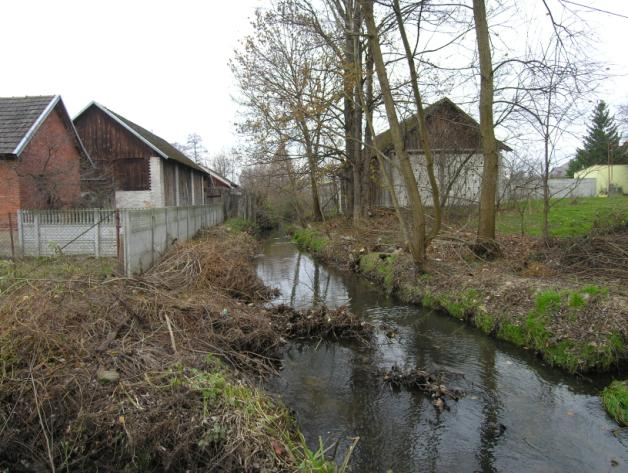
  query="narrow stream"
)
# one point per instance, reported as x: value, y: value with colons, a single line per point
x: 553, y: 422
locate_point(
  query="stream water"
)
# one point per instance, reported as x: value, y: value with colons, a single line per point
x: 518, y: 414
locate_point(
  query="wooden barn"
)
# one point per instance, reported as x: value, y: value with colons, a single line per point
x: 456, y: 145
x: 138, y: 169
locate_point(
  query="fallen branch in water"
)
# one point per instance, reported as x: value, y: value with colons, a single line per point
x: 422, y: 381
x: 320, y: 322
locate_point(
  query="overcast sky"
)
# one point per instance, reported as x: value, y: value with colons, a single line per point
x: 163, y: 64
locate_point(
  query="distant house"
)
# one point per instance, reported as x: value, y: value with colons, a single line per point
x: 458, y: 158
x: 138, y: 169
x: 40, y: 155
x: 616, y: 174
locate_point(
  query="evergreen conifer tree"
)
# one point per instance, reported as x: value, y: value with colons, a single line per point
x: 601, y: 141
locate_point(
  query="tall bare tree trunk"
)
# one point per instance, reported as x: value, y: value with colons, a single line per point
x: 313, y: 168
x: 425, y: 143
x: 488, y: 190
x: 366, y: 98
x: 416, y: 228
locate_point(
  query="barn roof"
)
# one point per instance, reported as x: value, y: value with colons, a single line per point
x: 156, y: 143
x: 383, y: 141
x: 21, y: 117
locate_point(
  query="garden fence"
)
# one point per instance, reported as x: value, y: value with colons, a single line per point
x: 137, y: 237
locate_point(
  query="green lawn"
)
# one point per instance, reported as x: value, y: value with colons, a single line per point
x: 568, y: 217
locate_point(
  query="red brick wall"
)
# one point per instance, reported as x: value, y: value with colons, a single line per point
x: 9, y: 190
x: 48, y: 168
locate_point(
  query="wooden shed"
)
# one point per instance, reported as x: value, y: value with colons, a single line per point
x: 136, y: 168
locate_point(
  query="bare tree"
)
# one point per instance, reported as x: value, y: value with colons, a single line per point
x: 488, y: 190
x: 288, y: 94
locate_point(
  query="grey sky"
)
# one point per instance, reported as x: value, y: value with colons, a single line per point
x: 163, y: 64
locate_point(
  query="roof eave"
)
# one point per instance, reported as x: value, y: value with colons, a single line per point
x: 35, y: 126
x: 125, y: 126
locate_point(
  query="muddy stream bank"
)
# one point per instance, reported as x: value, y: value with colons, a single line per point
x: 517, y: 414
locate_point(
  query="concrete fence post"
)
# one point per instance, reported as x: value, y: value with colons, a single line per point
x: 187, y: 214
x: 152, y: 237
x: 178, y: 231
x: 126, y: 228
x: 166, y: 228
x: 20, y: 229
x: 97, y: 234
x: 37, y: 232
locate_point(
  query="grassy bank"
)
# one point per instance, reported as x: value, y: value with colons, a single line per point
x: 576, y: 324
x: 567, y: 217
x: 155, y: 373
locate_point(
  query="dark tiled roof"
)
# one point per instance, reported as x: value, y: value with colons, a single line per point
x: 162, y: 145
x: 383, y: 141
x: 17, y: 116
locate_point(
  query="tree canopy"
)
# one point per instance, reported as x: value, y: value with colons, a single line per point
x: 601, y: 142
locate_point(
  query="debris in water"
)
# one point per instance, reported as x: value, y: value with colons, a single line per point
x: 425, y: 382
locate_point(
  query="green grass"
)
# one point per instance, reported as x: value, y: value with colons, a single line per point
x: 615, y: 400
x: 58, y: 268
x: 309, y: 239
x: 241, y: 225
x: 381, y: 266
x: 567, y: 217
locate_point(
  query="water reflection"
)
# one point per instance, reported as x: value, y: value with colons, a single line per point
x: 518, y: 414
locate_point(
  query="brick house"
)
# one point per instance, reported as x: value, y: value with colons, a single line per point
x: 40, y: 155
x: 142, y: 169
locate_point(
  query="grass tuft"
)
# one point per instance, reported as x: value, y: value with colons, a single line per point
x: 309, y: 239
x: 615, y: 400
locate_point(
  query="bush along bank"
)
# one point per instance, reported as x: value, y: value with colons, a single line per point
x: 578, y: 328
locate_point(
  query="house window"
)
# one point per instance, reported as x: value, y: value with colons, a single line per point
x: 131, y: 174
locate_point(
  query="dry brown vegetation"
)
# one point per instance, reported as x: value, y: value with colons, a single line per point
x: 150, y: 373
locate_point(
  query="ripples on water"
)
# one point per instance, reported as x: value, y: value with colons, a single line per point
x: 553, y: 422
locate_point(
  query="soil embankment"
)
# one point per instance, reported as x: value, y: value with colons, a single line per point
x: 153, y: 373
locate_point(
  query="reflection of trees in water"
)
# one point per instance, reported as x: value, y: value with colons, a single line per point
x: 490, y: 427
x: 295, y: 279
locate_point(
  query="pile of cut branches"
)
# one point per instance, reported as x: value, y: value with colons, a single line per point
x: 145, y: 373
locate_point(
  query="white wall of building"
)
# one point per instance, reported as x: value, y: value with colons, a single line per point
x: 462, y: 172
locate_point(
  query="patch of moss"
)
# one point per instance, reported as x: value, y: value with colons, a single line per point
x: 512, y: 333
x: 309, y: 239
x: 615, y: 400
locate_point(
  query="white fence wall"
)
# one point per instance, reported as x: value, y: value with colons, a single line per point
x: 71, y: 232
x: 138, y: 237
x: 148, y: 233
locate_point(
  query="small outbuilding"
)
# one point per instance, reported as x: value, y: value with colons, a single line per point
x: 616, y: 174
x: 136, y: 168
x: 455, y: 141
